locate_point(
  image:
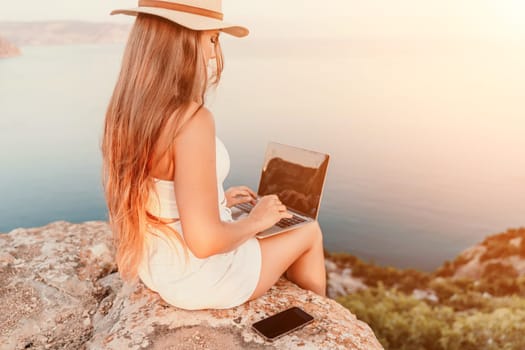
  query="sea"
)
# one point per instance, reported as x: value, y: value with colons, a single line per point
x: 427, y: 139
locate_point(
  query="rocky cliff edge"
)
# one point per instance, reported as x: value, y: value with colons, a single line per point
x: 59, y: 289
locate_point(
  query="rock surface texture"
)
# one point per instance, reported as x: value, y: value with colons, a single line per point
x: 59, y: 289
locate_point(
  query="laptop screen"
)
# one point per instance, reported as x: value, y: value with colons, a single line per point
x: 296, y: 175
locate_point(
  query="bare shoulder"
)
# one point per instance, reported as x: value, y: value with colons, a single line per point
x: 196, y: 135
x: 197, y: 120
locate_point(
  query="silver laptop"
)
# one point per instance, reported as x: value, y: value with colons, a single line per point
x: 297, y: 177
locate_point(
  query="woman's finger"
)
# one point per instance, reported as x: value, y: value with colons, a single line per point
x: 250, y: 191
x: 254, y: 195
x: 248, y: 194
x: 238, y: 190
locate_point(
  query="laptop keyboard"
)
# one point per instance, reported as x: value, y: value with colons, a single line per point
x: 284, y: 222
x: 247, y: 207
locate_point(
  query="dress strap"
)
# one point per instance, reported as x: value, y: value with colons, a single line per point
x: 162, y: 220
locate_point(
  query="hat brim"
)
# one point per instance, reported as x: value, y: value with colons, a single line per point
x: 188, y: 20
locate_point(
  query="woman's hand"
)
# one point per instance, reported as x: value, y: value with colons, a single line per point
x: 239, y: 194
x: 268, y: 211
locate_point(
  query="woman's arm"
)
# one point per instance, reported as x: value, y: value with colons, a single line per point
x: 196, y: 192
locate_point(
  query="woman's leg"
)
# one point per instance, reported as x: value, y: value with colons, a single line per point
x: 299, y: 254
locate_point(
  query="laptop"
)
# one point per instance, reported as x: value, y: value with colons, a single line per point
x: 297, y: 176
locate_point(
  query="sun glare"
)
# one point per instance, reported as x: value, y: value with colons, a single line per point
x: 512, y: 14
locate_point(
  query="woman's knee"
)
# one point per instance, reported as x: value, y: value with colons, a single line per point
x: 280, y: 251
x: 316, y: 232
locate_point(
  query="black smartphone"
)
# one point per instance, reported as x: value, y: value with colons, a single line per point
x: 282, y: 323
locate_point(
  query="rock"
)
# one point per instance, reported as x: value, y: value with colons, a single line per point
x: 59, y: 289
x: 501, y: 254
x: 472, y: 267
x: 139, y: 317
x: 7, y: 49
x: 340, y: 280
x: 36, y: 33
x: 52, y: 283
x: 425, y: 294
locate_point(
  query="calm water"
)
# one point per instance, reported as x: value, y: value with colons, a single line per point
x: 426, y: 141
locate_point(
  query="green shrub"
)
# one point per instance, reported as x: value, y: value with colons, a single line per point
x: 499, y: 249
x: 400, y: 321
x: 488, y: 313
x: 501, y: 329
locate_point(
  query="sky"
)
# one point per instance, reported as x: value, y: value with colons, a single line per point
x: 309, y: 18
x: 409, y: 106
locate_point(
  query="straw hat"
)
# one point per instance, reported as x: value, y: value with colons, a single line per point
x: 196, y: 14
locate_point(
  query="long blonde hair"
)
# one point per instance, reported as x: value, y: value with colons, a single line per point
x: 163, y: 71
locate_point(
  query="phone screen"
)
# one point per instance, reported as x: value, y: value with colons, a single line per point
x: 282, y: 322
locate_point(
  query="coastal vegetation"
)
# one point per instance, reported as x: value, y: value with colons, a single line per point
x: 410, y: 309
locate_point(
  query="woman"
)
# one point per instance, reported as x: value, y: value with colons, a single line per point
x: 163, y: 168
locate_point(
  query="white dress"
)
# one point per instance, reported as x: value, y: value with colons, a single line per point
x: 219, y: 281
